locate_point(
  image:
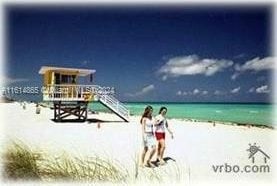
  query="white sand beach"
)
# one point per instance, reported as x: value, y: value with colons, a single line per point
x: 196, y: 146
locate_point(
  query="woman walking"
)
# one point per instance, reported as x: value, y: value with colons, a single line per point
x: 161, y: 124
x: 149, y: 146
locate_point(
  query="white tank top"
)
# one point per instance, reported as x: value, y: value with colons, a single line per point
x: 149, y: 123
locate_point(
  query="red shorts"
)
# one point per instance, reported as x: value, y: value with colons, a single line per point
x: 160, y: 135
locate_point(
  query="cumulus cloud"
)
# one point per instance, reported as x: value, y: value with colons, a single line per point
x: 179, y: 93
x: 235, y: 90
x: 205, y: 92
x: 257, y: 64
x: 143, y: 91
x: 262, y: 89
x: 182, y: 93
x: 192, y: 65
x: 251, y: 90
x: 191, y: 93
x: 164, y: 78
x: 195, y: 91
x: 185, y: 93
x: 219, y: 93
x: 235, y: 76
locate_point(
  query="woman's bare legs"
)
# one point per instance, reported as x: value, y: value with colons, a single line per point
x: 158, y: 150
x: 152, y: 152
x: 161, y: 153
x: 149, y: 154
x: 142, y: 158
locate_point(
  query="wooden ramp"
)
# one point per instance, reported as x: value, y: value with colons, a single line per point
x: 115, y: 106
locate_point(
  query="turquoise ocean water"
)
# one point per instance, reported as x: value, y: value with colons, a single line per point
x: 257, y: 114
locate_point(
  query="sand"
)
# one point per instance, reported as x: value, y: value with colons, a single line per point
x: 196, y: 146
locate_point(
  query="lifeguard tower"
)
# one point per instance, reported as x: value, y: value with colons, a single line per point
x: 70, y: 98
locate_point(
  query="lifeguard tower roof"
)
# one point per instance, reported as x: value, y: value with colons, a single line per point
x: 79, y: 71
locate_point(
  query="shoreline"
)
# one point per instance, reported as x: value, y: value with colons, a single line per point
x: 269, y: 123
x: 214, y: 122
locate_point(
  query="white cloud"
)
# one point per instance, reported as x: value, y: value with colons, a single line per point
x: 192, y: 65
x: 235, y: 76
x: 179, y: 93
x: 262, y: 89
x: 164, y: 78
x: 191, y: 93
x: 257, y: 64
x: 9, y: 80
x: 251, y: 90
x: 195, y: 91
x: 148, y: 88
x: 143, y: 91
x: 259, y: 90
x: 235, y: 90
x: 219, y: 93
x: 205, y: 92
x: 185, y: 93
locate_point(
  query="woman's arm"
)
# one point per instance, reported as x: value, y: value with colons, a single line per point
x: 143, y: 125
x: 157, y: 120
x: 168, y: 129
x: 143, y: 129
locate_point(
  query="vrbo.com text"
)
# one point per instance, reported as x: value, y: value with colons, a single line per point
x: 226, y: 168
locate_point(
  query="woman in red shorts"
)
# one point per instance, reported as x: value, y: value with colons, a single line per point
x: 161, y: 125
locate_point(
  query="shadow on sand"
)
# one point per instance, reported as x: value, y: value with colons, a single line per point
x: 166, y: 159
x: 93, y: 120
x: 89, y: 121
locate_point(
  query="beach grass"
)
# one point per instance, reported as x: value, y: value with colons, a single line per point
x: 20, y: 162
x: 23, y: 163
x: 27, y: 164
x: 70, y: 168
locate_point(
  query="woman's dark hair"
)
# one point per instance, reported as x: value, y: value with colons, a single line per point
x: 146, y: 112
x: 161, y: 109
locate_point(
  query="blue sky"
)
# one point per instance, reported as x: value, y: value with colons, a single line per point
x: 158, y: 53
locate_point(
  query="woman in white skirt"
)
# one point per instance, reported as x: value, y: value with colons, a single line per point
x: 149, y: 142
